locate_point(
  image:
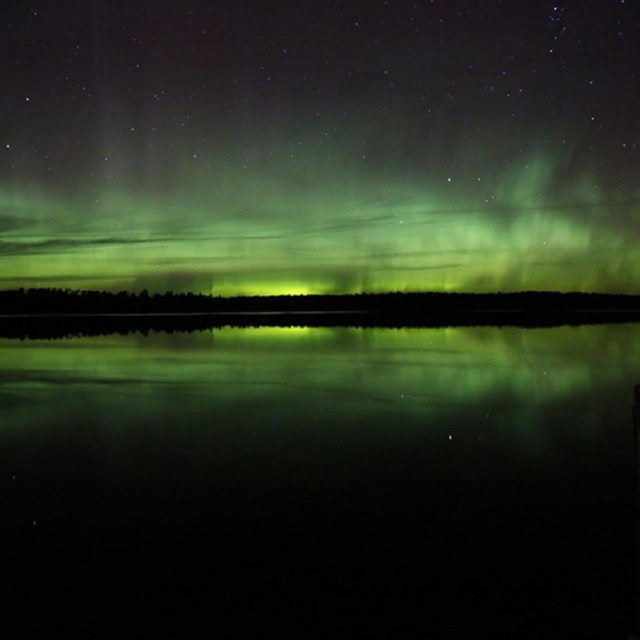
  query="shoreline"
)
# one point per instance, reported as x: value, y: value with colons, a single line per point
x: 60, y: 326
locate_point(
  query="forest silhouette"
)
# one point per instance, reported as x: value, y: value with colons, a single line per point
x: 59, y: 313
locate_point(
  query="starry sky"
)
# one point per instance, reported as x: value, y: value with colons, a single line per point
x: 299, y: 146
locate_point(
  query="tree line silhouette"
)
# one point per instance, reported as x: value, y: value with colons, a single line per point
x: 42, y: 301
x: 59, y: 313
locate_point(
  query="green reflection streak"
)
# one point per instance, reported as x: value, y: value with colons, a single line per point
x: 397, y: 379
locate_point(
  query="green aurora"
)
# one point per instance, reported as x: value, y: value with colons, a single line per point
x: 240, y: 148
x: 311, y: 229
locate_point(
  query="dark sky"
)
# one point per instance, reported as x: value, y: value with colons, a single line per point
x: 320, y: 146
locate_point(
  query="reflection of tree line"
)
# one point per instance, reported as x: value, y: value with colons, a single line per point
x: 57, y: 313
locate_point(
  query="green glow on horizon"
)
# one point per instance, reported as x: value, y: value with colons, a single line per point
x: 312, y: 227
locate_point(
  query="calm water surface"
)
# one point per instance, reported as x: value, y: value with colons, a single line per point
x: 323, y: 482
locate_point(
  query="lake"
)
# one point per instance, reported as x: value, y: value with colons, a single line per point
x: 323, y: 482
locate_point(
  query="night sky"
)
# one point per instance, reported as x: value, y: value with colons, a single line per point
x: 238, y: 146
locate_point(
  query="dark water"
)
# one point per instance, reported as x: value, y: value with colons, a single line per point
x: 327, y: 483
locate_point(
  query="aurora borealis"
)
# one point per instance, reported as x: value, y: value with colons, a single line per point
x: 313, y: 147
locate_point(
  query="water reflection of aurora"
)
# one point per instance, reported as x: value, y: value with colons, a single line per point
x: 409, y: 378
